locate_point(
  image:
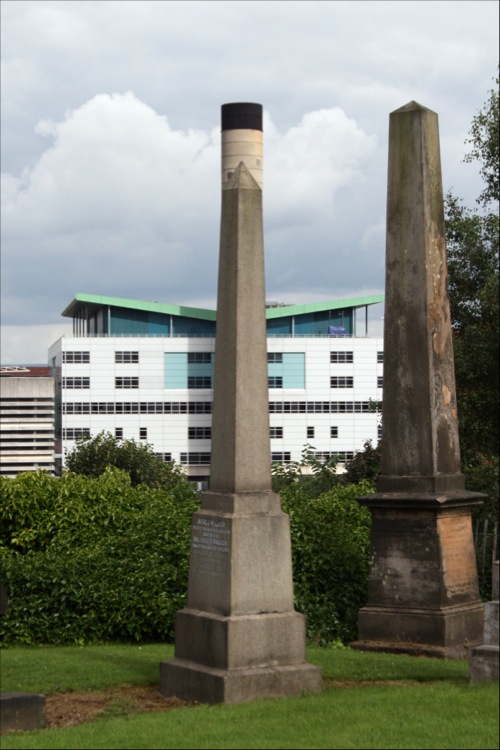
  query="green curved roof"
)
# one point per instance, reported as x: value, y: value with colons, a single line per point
x: 95, y: 301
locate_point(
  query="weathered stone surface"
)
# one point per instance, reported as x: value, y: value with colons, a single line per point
x: 484, y: 659
x: 191, y: 681
x: 21, y: 711
x: 484, y: 663
x: 423, y: 594
x: 421, y: 452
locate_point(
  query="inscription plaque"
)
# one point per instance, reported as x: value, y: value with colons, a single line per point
x: 458, y: 557
x: 210, y: 545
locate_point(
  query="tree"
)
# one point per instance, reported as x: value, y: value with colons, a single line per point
x: 472, y: 238
x: 91, y: 456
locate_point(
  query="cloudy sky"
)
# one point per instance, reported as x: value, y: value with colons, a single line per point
x: 111, y: 142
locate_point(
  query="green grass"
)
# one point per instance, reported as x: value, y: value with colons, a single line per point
x: 431, y: 706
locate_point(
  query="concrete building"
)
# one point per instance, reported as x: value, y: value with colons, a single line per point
x: 27, y: 410
x: 144, y: 371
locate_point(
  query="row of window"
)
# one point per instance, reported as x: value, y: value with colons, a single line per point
x: 277, y: 432
x: 205, y: 407
x: 77, y: 357
x: 194, y: 433
x: 137, y: 407
x: 200, y: 459
x: 198, y: 381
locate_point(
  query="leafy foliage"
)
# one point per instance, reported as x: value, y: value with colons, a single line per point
x: 91, y: 457
x: 312, y: 474
x: 472, y: 239
x: 364, y: 465
x: 89, y: 559
x: 330, y: 551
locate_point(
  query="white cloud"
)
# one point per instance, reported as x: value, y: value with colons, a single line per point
x: 118, y: 193
x: 123, y: 204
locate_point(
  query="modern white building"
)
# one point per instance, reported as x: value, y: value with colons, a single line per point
x: 144, y: 371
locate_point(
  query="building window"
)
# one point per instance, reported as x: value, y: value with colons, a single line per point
x: 119, y: 433
x: 75, y: 357
x: 275, y: 357
x: 199, y: 433
x: 199, y: 381
x: 126, y: 382
x: 341, y: 357
x: 310, y: 432
x: 76, y: 383
x: 379, y: 431
x: 380, y: 381
x: 275, y: 381
x: 276, y: 432
x: 74, y: 433
x: 126, y: 357
x: 143, y: 433
x: 380, y: 357
x: 281, y: 457
x: 320, y: 407
x: 341, y: 456
x: 342, y: 382
x: 195, y: 459
x: 199, y: 358
x: 334, y: 432
x: 164, y: 456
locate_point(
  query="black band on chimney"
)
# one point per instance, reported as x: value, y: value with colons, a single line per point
x: 241, y: 116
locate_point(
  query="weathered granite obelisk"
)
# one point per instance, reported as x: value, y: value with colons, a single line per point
x: 239, y: 637
x: 423, y: 592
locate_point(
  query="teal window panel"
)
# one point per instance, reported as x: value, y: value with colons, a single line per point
x: 158, y: 324
x: 279, y: 325
x: 291, y: 370
x: 124, y: 322
x: 182, y: 326
x: 176, y: 370
x: 294, y: 365
x: 275, y: 369
x: 342, y: 319
x: 201, y: 369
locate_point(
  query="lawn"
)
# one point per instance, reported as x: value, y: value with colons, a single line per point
x: 369, y: 701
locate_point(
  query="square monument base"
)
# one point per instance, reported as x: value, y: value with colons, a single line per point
x: 196, y: 682
x: 236, y: 659
x: 446, y: 633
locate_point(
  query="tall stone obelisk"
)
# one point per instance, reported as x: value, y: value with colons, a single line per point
x: 239, y: 637
x: 423, y: 594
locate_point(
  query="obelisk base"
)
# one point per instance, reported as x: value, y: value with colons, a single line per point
x: 423, y: 594
x: 238, y: 659
x: 446, y: 633
x: 239, y: 638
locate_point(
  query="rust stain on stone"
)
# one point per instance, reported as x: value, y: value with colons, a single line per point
x: 437, y: 322
x: 457, y: 556
x: 446, y: 394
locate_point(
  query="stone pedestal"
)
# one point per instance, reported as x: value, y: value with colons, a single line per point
x: 239, y: 638
x: 484, y: 659
x: 423, y: 595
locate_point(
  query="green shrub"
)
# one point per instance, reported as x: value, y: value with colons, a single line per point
x: 91, y: 457
x: 330, y: 552
x: 103, y: 561
x: 97, y: 559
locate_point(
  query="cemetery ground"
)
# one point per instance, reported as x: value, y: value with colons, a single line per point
x: 106, y: 696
